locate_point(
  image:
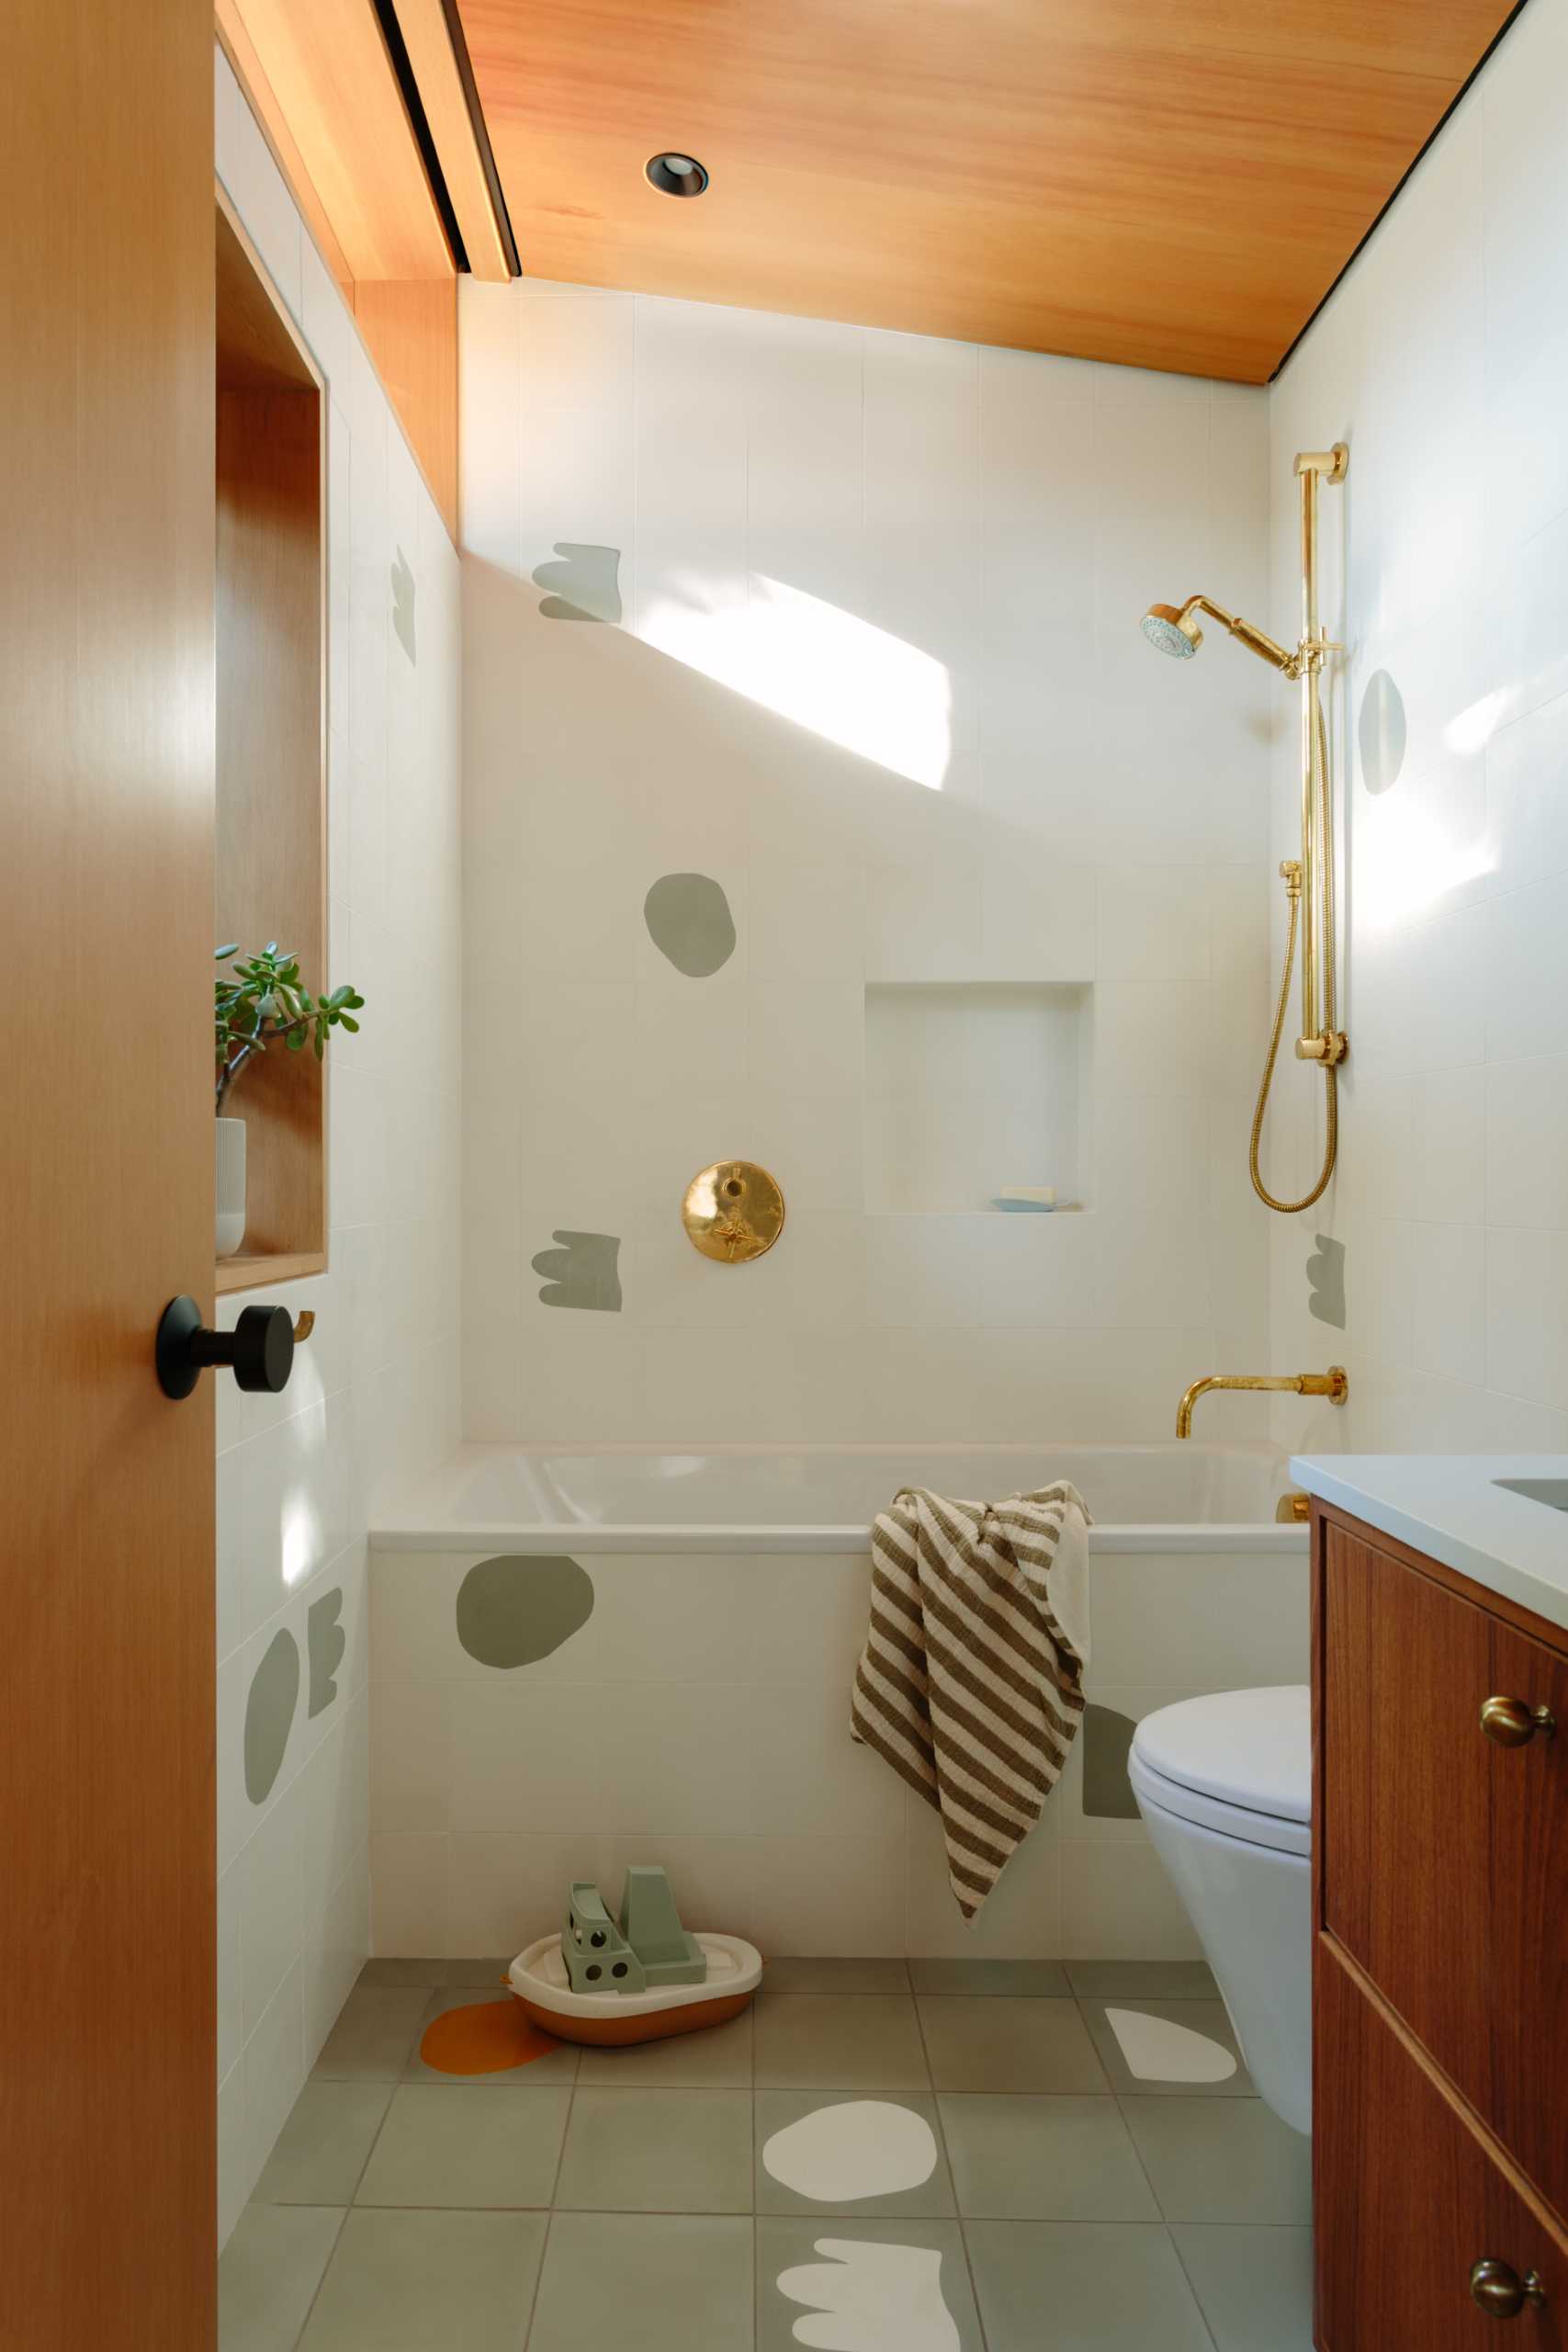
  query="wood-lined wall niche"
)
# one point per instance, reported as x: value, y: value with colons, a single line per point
x: 271, y: 874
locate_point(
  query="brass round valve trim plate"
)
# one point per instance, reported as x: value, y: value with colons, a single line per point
x: 733, y: 1211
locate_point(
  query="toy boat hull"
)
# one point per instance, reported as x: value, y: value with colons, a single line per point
x: 613, y: 2021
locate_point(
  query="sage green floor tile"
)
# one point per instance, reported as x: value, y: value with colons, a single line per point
x: 642, y: 2282
x: 559, y: 2066
x: 853, y: 2267
x: 1082, y: 2287
x: 990, y: 1979
x: 431, y: 1972
x: 657, y: 2152
x: 268, y: 2273
x: 1255, y: 2285
x: 397, y: 1975
x: 884, y: 2139
x: 428, y: 2282
x: 1058, y: 2159
x: 1142, y: 1980
x: 373, y: 2035
x: 1221, y: 2160
x: 321, y: 2149
x: 467, y: 2145
x: 720, y: 2058
x: 1024, y: 2045
x: 1208, y: 2020
x: 839, y: 2042
x: 836, y: 1976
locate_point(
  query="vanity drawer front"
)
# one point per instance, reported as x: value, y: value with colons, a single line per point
x: 1408, y: 2198
x: 1405, y: 1796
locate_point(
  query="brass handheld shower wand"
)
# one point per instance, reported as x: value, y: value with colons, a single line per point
x: 1309, y: 880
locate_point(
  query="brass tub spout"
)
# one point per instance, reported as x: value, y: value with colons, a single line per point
x: 1334, y: 1384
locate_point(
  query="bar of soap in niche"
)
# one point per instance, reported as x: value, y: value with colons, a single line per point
x: 1037, y: 1197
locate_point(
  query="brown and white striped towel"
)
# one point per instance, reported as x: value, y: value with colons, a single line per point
x: 971, y: 1682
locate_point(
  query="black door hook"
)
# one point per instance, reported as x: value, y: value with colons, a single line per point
x: 259, y: 1349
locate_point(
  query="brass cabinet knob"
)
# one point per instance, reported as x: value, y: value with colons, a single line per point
x: 1502, y: 2293
x: 1514, y: 1722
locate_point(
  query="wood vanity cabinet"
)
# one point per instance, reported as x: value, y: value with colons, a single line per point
x: 1440, y: 1963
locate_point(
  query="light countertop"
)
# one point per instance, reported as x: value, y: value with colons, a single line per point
x: 1452, y: 1507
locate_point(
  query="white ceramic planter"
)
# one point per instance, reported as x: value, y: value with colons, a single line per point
x: 230, y: 1185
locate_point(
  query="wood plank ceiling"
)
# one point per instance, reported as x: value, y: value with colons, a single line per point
x: 1168, y: 183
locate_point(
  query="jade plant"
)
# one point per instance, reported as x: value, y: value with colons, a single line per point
x: 264, y: 1003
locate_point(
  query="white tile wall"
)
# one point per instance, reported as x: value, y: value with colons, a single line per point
x: 879, y: 674
x: 374, y: 1391
x: 700, y: 1720
x: 1443, y: 361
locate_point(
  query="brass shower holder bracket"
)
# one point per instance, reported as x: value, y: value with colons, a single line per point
x: 1332, y: 464
x: 1330, y: 1048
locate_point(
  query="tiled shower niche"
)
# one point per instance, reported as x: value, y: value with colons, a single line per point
x: 974, y: 1090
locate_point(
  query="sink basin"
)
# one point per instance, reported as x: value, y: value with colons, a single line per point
x: 1553, y: 1492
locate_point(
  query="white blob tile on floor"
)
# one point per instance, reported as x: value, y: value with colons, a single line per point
x: 863, y: 2148
x: 1158, y: 2051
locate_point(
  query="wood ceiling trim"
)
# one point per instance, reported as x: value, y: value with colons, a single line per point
x: 1175, y: 189
x: 327, y: 67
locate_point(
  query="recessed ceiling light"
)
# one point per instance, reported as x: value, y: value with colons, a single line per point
x: 674, y: 174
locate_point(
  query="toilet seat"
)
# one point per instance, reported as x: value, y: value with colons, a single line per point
x: 1237, y: 1763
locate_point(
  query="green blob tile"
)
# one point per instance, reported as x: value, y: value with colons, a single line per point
x: 778, y: 2110
x: 269, y: 1712
x: 633, y: 2282
x: 850, y: 2041
x: 373, y: 2035
x: 1221, y: 2160
x: 1255, y: 2285
x: 657, y: 2152
x: 1024, y: 2046
x: 516, y: 1609
x: 797, y: 2246
x: 689, y: 921
x: 421, y: 2282
x: 1082, y: 2287
x: 1059, y: 2159
x: 464, y: 2143
x: 321, y: 2150
x: 268, y: 2273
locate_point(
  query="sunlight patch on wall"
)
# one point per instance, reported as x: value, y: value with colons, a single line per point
x: 826, y: 669
x: 1407, y: 865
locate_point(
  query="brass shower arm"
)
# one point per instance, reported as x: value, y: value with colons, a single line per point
x: 1257, y: 641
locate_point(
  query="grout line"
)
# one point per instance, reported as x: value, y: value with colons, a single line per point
x: 947, y: 2159
x: 331, y: 2256
x: 1191, y: 2287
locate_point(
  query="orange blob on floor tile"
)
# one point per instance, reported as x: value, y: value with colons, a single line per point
x: 484, y: 2037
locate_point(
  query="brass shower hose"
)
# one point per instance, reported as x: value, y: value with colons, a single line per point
x: 1330, y: 1075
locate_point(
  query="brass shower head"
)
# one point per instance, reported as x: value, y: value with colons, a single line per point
x: 1176, y: 632
x: 1172, y: 632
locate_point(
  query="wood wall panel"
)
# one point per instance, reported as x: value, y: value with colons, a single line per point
x: 271, y: 864
x: 107, y: 2028
x: 1172, y: 187
x: 411, y: 333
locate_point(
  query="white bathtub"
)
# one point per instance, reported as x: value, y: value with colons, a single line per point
x: 822, y: 1499
x: 698, y: 1715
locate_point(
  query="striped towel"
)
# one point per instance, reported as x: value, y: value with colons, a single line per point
x: 971, y: 1682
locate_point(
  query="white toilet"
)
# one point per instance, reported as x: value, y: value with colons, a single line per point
x: 1224, y: 1784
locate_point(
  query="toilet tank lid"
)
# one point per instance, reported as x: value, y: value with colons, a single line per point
x: 1247, y: 1747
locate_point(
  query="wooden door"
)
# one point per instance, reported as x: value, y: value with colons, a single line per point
x: 106, y: 1638
x: 1408, y: 2198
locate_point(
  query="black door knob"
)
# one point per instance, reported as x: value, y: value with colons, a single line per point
x: 259, y: 1349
